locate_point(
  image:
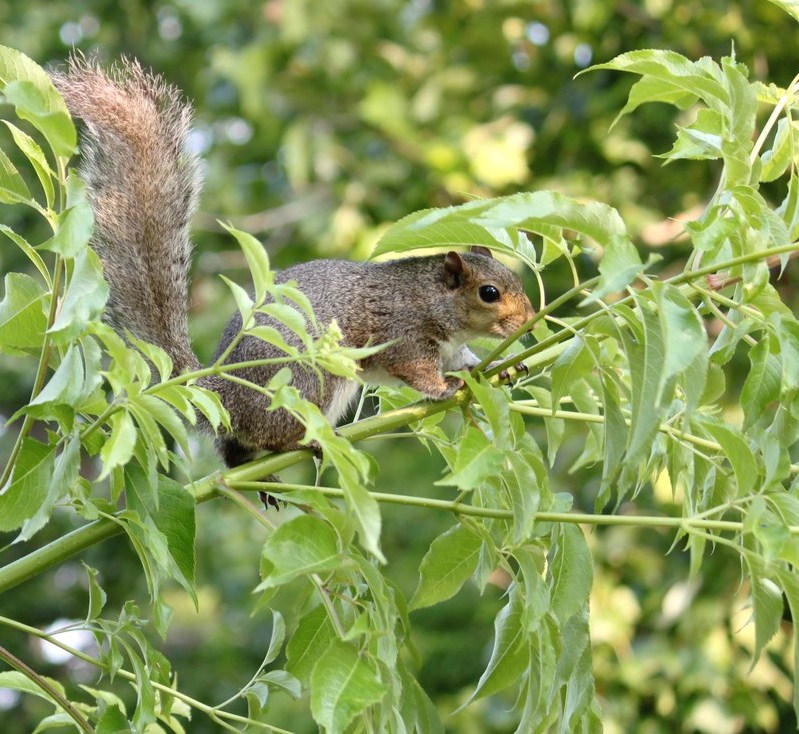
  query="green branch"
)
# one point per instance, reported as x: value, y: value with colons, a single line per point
x: 688, y: 524
x: 52, y: 693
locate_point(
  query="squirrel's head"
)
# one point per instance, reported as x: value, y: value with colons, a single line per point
x: 491, y: 299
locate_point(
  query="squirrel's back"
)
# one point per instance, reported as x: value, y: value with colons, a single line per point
x: 143, y: 186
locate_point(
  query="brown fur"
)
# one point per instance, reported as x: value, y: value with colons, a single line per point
x: 143, y: 187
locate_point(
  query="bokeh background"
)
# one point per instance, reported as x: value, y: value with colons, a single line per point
x: 321, y: 122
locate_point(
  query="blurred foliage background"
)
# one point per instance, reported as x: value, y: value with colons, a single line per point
x: 322, y: 122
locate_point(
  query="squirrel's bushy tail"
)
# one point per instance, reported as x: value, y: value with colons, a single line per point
x: 143, y: 185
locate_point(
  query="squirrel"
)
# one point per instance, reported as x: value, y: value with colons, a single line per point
x: 143, y: 186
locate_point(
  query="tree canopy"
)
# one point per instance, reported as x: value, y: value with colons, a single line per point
x: 611, y: 543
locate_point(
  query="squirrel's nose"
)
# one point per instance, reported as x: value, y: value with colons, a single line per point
x: 529, y: 312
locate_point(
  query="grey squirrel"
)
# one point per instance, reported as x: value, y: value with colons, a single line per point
x: 143, y: 186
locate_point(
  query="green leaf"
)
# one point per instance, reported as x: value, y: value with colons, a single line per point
x: 118, y: 449
x: 27, y: 86
x: 160, y: 522
x: 766, y: 605
x: 166, y: 417
x: 63, y: 480
x: 112, y: 721
x: 792, y: 8
x: 575, y: 668
x: 646, y: 364
x: 66, y: 390
x: 619, y: 266
x: 210, y: 405
x: 671, y: 69
x: 16, y: 681
x: 452, y: 227
x: 737, y: 451
x: 571, y: 571
x: 651, y: 89
x: 790, y: 585
x: 85, y: 297
x: 54, y: 721
x: 477, y: 459
x: 72, y: 232
x: 343, y: 684
x: 762, y: 384
x: 313, y: 637
x: 158, y: 356
x: 683, y: 334
x: 579, y: 359
x: 541, y: 210
x: 22, y: 315
x: 38, y: 160
x: 615, y: 439
x: 97, y: 597
x: 531, y: 210
x: 257, y: 262
x: 417, y: 706
x: 449, y: 562
x: 781, y: 154
x: 257, y: 696
x: 13, y: 189
x: 149, y: 431
x: 496, y: 407
x: 353, y: 466
x: 243, y: 301
x: 175, y: 518
x: 788, y: 332
x: 29, y: 485
x: 360, y: 503
x: 703, y: 139
x: 510, y: 654
x: 788, y: 209
x: 29, y: 251
x: 290, y: 317
x: 277, y: 637
x: 299, y: 547
x: 527, y: 483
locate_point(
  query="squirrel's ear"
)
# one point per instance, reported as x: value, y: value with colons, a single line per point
x: 454, y: 268
x: 480, y: 250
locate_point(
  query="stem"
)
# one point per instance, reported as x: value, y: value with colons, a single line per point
x: 775, y: 113
x: 575, y: 518
x: 56, y: 552
x: 526, y: 409
x: 41, y: 682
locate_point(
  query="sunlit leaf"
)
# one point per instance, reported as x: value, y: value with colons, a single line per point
x: 343, y: 684
x: 449, y: 562
x: 571, y: 569
x: 299, y: 547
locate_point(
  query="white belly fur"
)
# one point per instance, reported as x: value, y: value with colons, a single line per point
x: 342, y: 399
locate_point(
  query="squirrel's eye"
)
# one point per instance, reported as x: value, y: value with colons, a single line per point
x: 489, y: 293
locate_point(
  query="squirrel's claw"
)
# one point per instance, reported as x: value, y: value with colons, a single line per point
x: 506, y: 376
x: 267, y: 499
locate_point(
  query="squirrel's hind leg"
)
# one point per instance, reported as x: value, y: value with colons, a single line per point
x: 233, y: 452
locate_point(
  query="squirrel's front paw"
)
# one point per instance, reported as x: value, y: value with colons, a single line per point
x: 505, y: 374
x: 453, y: 384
